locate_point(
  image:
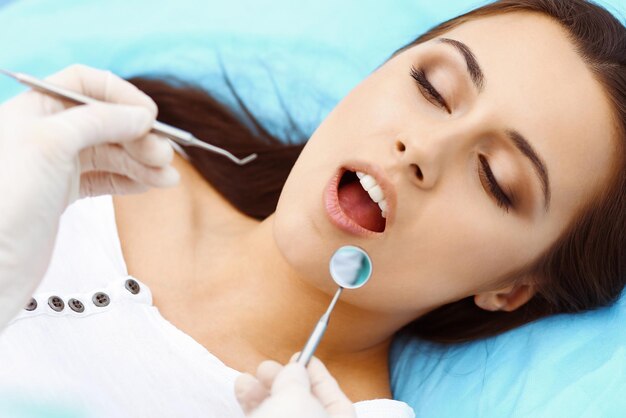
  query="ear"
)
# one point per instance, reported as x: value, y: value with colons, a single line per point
x: 505, y: 299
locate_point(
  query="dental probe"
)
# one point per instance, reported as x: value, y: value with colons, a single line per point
x: 173, y: 133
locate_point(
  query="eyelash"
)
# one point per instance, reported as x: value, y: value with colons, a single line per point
x: 426, y: 87
x: 484, y: 170
x: 486, y: 176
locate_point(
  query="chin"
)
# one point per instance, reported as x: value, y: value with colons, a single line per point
x: 301, y: 244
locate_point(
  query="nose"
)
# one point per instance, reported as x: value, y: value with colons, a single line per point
x: 424, y: 157
x: 419, y: 165
x: 414, y: 169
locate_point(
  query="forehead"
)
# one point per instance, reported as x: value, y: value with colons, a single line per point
x: 536, y: 83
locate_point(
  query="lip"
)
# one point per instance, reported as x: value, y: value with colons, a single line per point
x: 337, y: 215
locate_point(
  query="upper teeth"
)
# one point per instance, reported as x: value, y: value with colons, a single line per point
x: 373, y: 189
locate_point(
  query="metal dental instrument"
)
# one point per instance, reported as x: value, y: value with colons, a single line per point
x: 350, y: 268
x: 178, y: 135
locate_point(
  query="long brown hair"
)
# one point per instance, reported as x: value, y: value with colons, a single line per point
x: 584, y: 269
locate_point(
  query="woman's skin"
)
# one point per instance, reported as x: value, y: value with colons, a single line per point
x: 250, y: 291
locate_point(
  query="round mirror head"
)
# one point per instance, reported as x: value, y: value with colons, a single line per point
x: 350, y: 267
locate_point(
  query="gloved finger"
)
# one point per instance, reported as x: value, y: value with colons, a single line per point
x: 152, y: 150
x: 327, y: 390
x: 267, y: 372
x: 97, y: 183
x: 292, y: 377
x: 244, y: 386
x: 102, y: 85
x: 250, y: 393
x: 64, y: 134
x: 113, y: 158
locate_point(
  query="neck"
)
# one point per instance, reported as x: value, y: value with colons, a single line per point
x: 276, y: 310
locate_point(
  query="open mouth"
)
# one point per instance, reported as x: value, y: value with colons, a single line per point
x: 362, y: 200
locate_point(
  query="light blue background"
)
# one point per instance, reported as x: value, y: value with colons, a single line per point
x: 313, y: 53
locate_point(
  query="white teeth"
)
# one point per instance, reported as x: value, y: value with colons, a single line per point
x: 376, y: 193
x: 367, y: 182
x: 383, y: 207
x: 373, y: 189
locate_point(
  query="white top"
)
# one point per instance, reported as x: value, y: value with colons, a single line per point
x: 122, y: 359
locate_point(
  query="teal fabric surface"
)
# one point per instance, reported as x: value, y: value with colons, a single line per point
x: 304, y: 57
x: 564, y: 366
x: 9, y: 408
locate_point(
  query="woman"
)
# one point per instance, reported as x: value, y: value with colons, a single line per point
x: 497, y: 140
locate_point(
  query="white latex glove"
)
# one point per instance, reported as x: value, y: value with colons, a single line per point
x: 291, y: 392
x: 53, y: 152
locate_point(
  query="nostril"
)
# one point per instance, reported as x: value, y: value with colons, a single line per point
x: 400, y: 146
x: 418, y: 171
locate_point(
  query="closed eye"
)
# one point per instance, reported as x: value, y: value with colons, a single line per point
x: 428, y: 90
x: 491, y: 184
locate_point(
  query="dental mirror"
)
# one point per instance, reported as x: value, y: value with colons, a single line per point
x: 350, y: 268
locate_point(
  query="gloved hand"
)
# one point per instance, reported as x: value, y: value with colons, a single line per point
x: 53, y: 152
x: 292, y: 391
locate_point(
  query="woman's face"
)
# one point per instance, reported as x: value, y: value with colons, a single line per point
x: 489, y: 161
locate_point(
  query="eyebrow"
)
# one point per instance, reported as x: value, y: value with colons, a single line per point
x: 478, y: 78
x: 540, y: 168
x: 474, y: 70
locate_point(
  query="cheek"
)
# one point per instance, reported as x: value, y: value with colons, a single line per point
x: 453, y: 248
x: 466, y: 248
x: 376, y: 111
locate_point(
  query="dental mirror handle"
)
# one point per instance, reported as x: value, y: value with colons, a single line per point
x: 318, y: 332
